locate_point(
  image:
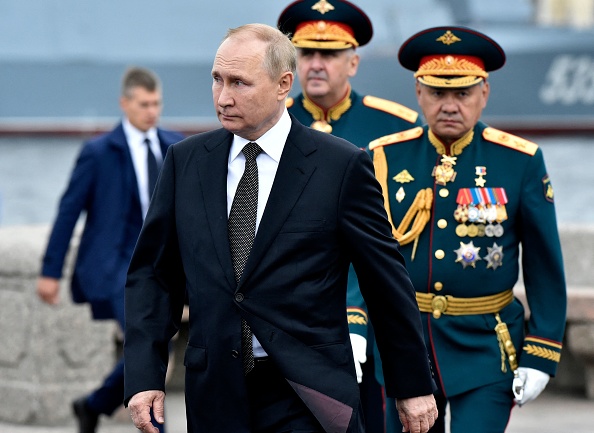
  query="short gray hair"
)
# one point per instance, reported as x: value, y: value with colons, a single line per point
x: 280, y: 54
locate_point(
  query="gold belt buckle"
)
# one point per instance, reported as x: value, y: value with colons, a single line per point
x: 439, y: 305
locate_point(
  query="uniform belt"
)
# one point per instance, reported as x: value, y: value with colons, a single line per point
x: 450, y: 305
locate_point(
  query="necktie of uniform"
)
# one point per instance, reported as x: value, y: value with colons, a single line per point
x: 242, y: 231
x: 152, y: 167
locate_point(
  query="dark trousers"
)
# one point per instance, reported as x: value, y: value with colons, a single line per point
x: 372, y: 398
x: 274, y: 405
x: 110, y: 395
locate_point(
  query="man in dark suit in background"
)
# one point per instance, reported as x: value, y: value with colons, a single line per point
x: 315, y: 208
x: 111, y: 185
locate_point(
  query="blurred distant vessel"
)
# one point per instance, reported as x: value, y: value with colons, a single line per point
x: 61, y: 62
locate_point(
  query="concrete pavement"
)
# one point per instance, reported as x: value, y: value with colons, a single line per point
x: 553, y: 412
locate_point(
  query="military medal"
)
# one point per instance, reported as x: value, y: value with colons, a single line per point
x: 494, y: 256
x: 480, y: 172
x: 483, y: 207
x: 445, y: 173
x: 467, y: 254
x: 480, y: 230
x: 491, y: 215
x: 500, y: 198
x: 462, y: 230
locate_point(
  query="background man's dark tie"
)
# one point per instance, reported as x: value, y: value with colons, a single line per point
x: 152, y: 166
x: 242, y: 231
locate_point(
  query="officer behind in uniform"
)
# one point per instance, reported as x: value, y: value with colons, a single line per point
x: 463, y: 198
x: 327, y: 34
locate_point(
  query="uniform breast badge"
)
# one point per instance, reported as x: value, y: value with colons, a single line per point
x: 467, y: 254
x: 444, y: 172
x: 494, y: 256
x: 403, y: 177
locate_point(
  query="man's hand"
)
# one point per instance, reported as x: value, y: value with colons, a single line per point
x: 417, y: 414
x: 359, y: 345
x: 140, y: 410
x: 534, y: 382
x: 48, y: 290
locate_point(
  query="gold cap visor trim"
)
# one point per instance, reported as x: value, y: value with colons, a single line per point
x: 449, y: 82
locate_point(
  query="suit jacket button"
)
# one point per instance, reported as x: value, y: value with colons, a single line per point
x: 235, y: 354
x: 239, y: 297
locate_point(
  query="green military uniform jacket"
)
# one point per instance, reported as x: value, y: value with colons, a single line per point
x: 506, y: 177
x: 358, y: 119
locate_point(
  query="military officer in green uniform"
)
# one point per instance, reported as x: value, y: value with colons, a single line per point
x: 327, y: 34
x: 472, y: 206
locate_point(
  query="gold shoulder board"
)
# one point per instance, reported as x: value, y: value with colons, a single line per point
x: 399, y: 137
x: 391, y: 107
x: 289, y: 102
x: 509, y: 140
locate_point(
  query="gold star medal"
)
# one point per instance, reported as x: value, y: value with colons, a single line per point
x: 480, y: 172
x: 467, y: 254
x: 494, y: 256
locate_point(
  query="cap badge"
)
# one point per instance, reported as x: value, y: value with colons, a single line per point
x: 322, y: 7
x: 448, y: 38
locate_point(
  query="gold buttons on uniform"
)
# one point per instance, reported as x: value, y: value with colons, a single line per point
x: 442, y: 224
x: 443, y: 193
x: 439, y: 254
x: 438, y: 286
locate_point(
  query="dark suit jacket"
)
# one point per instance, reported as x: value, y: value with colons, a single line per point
x: 324, y: 211
x: 103, y: 186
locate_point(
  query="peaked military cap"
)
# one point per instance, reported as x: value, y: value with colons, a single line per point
x: 325, y: 24
x: 451, y: 57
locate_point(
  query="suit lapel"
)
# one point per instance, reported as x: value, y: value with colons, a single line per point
x: 293, y: 173
x: 212, y: 170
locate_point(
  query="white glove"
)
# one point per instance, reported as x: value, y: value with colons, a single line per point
x: 359, y: 344
x: 533, y: 382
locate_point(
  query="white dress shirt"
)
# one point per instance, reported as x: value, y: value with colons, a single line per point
x: 272, y: 144
x: 138, y: 152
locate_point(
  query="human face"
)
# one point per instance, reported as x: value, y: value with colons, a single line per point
x: 324, y: 74
x: 248, y: 102
x: 142, y: 107
x: 451, y: 113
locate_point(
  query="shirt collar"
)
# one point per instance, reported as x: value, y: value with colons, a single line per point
x: 272, y: 142
x: 135, y: 135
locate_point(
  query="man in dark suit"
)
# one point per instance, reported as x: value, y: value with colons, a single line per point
x: 111, y: 186
x: 315, y: 209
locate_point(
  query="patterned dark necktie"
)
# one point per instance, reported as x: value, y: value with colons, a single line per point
x: 242, y: 231
x: 152, y: 167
